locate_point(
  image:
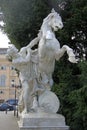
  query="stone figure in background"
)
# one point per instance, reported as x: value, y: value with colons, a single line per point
x: 37, y: 66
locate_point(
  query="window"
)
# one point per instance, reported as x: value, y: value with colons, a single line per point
x: 1, y: 92
x: 12, y: 83
x: 2, y: 80
x: 3, y: 67
x: 12, y: 68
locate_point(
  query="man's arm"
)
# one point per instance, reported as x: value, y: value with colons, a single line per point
x: 33, y: 43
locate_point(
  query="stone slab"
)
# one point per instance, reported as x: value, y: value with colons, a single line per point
x: 42, y: 121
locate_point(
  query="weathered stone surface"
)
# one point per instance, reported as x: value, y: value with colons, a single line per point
x: 42, y: 121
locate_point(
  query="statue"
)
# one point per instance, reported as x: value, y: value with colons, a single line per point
x: 26, y: 64
x: 37, y: 66
x: 49, y: 47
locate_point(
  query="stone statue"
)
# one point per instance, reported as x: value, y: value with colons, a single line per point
x: 48, y: 51
x: 26, y: 63
x: 49, y: 47
x: 37, y: 66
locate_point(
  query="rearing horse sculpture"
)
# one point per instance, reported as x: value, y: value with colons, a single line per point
x: 49, y: 47
x: 40, y: 66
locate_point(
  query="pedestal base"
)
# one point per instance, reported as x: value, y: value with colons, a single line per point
x: 42, y: 121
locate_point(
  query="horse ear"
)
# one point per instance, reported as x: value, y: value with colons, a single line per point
x: 53, y: 11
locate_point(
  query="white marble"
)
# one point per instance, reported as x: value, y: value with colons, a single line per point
x: 49, y: 102
x: 24, y: 62
x: 42, y: 121
x: 37, y: 104
x: 37, y: 66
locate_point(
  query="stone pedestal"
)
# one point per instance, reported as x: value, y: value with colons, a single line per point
x: 42, y: 121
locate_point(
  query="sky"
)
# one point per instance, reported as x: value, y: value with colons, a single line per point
x: 3, y: 38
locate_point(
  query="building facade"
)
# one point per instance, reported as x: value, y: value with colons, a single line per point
x: 9, y: 80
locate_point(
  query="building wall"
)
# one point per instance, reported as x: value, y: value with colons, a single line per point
x: 8, y: 76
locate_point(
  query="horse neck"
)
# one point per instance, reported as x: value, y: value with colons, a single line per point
x: 45, y: 27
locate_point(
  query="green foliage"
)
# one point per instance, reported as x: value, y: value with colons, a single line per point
x: 71, y: 79
x: 72, y: 92
x: 23, y: 19
x: 74, y: 32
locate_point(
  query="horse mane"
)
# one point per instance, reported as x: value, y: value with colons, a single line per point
x: 48, y: 18
x: 53, y: 12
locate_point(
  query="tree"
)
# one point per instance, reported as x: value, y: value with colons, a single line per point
x: 70, y: 79
x: 23, y: 19
x: 74, y: 32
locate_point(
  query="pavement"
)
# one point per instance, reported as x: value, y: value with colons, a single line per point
x: 8, y: 121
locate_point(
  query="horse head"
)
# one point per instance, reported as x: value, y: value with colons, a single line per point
x: 54, y: 20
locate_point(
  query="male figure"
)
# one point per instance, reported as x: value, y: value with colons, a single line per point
x: 26, y: 63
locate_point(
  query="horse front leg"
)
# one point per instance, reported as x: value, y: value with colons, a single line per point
x: 69, y: 51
